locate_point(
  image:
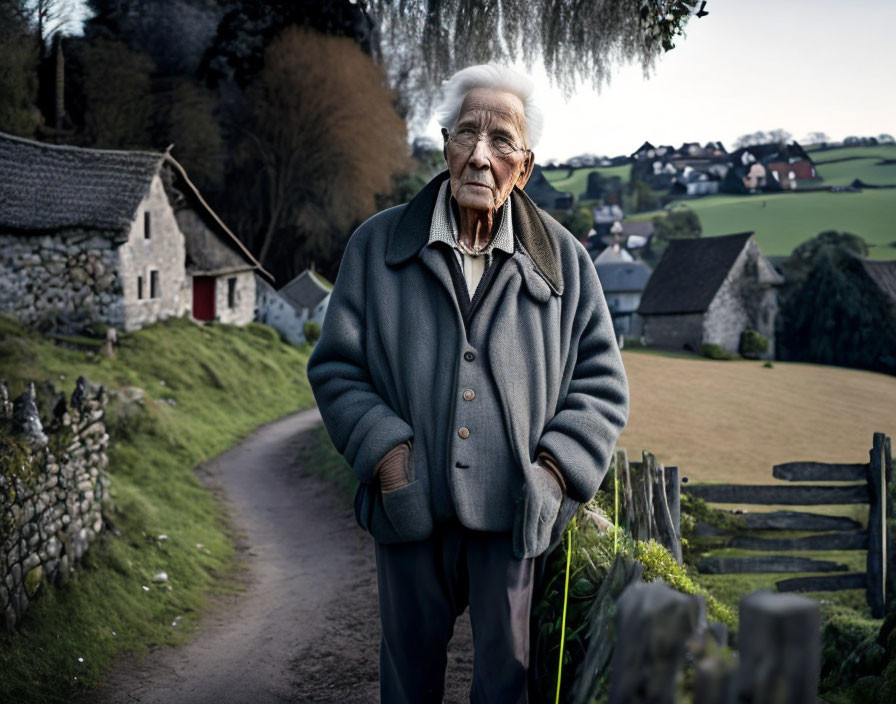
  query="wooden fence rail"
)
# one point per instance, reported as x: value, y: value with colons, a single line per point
x: 876, y: 490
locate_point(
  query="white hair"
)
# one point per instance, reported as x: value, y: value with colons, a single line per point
x: 456, y: 88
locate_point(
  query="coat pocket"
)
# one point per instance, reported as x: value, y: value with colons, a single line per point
x: 536, y: 512
x: 365, y: 498
x: 407, y: 510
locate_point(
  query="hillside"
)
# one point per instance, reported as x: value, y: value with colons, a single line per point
x: 782, y: 221
x: 732, y: 421
x: 180, y: 393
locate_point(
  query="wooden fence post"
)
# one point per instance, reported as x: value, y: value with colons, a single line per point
x: 890, y: 518
x: 878, y: 550
x: 780, y: 649
x: 653, y: 626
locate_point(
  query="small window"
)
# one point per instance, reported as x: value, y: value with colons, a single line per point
x: 139, y: 288
x: 147, y: 222
x: 231, y: 292
x: 154, y: 284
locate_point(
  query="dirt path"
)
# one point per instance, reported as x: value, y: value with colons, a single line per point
x: 307, y: 627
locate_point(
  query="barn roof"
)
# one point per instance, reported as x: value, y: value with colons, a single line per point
x: 690, y: 273
x: 45, y: 187
x: 623, y: 277
x: 306, y: 290
x: 884, y: 275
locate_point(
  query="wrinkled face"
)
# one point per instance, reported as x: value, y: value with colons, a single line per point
x: 480, y: 178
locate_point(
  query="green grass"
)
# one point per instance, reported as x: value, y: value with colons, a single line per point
x: 782, y: 221
x: 224, y: 381
x: 578, y: 182
x: 881, y: 151
x: 320, y: 458
x: 868, y: 169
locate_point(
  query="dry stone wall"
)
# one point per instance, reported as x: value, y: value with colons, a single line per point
x: 62, y: 280
x: 53, y: 489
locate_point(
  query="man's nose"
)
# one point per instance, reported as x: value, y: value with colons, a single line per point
x: 480, y: 157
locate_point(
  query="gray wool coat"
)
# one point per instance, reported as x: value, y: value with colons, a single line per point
x: 394, y: 358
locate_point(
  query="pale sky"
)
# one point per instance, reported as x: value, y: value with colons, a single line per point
x: 800, y: 65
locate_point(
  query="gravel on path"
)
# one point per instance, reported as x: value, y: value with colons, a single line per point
x: 306, y: 627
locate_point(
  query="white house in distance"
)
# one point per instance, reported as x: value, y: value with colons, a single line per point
x: 116, y: 237
x: 287, y: 310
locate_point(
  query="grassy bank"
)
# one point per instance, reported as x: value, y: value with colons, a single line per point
x: 206, y: 386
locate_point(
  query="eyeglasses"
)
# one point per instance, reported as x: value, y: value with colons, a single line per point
x: 468, y: 138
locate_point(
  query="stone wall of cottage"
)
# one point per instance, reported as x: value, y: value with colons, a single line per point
x: 674, y: 331
x: 742, y: 302
x: 53, y: 487
x: 243, y: 310
x: 164, y: 253
x: 61, y: 281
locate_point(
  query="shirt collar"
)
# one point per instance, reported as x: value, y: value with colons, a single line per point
x: 443, y: 227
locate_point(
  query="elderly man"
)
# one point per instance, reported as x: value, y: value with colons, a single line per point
x: 469, y: 373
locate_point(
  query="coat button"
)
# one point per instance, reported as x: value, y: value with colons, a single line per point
x: 469, y: 356
x: 469, y: 394
x: 464, y: 433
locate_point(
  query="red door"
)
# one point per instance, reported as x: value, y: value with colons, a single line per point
x: 204, y: 297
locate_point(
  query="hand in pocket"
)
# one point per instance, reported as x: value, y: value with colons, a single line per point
x: 393, y: 469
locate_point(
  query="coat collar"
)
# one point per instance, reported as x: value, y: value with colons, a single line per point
x: 412, y: 233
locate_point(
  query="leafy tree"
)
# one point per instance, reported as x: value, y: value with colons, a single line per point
x: 174, y: 33
x: 641, y: 197
x: 836, y: 317
x: 237, y: 51
x: 678, y: 223
x: 117, y: 98
x: 323, y: 141
x: 18, y: 72
x: 804, y: 257
x: 184, y: 117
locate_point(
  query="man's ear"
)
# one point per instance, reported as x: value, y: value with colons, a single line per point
x: 527, y: 170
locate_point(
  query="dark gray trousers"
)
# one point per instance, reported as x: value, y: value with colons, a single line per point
x: 425, y: 585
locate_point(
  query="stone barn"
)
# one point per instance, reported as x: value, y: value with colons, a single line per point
x: 708, y: 291
x: 90, y: 235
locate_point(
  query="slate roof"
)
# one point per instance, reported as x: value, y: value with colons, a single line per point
x: 45, y: 187
x: 305, y: 291
x: 49, y: 187
x: 623, y: 277
x: 690, y: 273
x: 884, y: 275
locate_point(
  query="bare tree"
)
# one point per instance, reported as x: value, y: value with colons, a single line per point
x: 324, y: 141
x: 817, y: 138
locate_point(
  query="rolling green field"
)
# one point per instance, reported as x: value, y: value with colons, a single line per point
x: 578, y: 182
x: 868, y: 169
x: 781, y: 221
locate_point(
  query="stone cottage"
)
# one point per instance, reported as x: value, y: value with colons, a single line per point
x: 287, y: 310
x: 90, y: 235
x: 708, y: 291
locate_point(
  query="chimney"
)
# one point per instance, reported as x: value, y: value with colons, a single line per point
x: 59, y: 93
